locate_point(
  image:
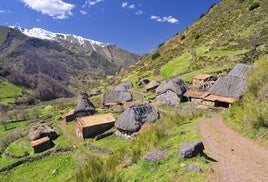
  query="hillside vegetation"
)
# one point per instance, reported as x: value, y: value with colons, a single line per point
x: 230, y: 32
x: 250, y: 114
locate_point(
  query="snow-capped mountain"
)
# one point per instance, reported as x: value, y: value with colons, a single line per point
x: 47, y: 35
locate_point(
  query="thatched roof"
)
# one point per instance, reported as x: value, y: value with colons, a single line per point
x: 152, y: 85
x: 134, y: 117
x: 168, y: 98
x: 240, y: 71
x: 196, y: 94
x: 143, y: 82
x: 176, y: 85
x: 202, y: 76
x: 41, y: 130
x: 95, y: 120
x: 228, y: 86
x: 94, y: 92
x: 85, y: 105
x: 118, y: 97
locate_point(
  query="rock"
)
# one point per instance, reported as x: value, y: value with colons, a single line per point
x: 42, y: 130
x: 156, y: 155
x: 95, y: 92
x: 127, y: 85
x: 55, y: 171
x: 131, y: 119
x: 191, y: 149
x: 143, y: 82
x: 193, y: 168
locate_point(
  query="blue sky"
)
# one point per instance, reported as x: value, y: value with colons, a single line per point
x: 138, y: 26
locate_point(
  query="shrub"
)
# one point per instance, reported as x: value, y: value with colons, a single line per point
x: 254, y: 6
x: 155, y: 55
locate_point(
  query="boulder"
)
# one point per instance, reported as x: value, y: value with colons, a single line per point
x: 191, y: 149
x: 135, y: 116
x: 175, y: 85
x: 127, y: 85
x: 168, y: 98
x: 42, y: 130
x: 194, y: 168
x: 156, y: 155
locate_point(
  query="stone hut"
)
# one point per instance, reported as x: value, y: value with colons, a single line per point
x: 95, y: 92
x: 200, y: 80
x: 135, y: 116
x: 168, y: 98
x: 42, y: 130
x: 42, y: 144
x: 226, y: 90
x: 175, y: 85
x: 116, y: 97
x: 143, y: 82
x: 84, y: 107
x: 196, y: 96
x: 152, y: 85
x: 90, y: 126
x: 70, y: 116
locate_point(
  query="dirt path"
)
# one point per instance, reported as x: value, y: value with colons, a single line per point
x: 238, y: 158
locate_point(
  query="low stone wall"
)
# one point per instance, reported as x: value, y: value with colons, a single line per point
x: 36, y: 158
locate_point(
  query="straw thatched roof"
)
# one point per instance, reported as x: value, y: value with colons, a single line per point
x: 116, y: 97
x: 134, y: 117
x: 168, y: 98
x: 95, y: 120
x: 41, y: 130
x: 202, y: 76
x: 229, y: 86
x: 240, y: 71
x: 84, y: 106
x: 176, y: 85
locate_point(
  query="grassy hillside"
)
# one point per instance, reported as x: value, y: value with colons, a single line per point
x: 230, y: 32
x: 250, y: 115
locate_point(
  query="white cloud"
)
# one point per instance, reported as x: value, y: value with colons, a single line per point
x: 139, y: 12
x: 124, y: 4
x: 4, y: 11
x: 57, y: 9
x: 168, y: 19
x: 132, y: 6
x: 83, y: 12
x: 92, y: 2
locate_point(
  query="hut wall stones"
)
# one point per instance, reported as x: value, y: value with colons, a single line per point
x: 90, y: 126
x: 42, y: 144
x: 199, y: 80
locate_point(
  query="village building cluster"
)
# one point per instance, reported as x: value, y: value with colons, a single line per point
x: 207, y: 90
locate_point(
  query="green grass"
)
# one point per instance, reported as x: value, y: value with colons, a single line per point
x: 65, y: 163
x: 8, y: 92
x: 176, y: 66
x: 20, y: 146
x: 222, y: 53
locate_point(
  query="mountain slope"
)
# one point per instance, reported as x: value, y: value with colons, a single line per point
x: 230, y: 32
x: 65, y: 64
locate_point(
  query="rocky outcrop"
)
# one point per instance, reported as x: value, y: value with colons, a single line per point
x: 156, y: 155
x: 191, y: 149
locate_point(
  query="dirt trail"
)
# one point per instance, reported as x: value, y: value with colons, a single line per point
x: 238, y: 158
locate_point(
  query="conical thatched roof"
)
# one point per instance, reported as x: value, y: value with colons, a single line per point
x: 168, y: 98
x: 116, y: 97
x: 152, y: 85
x: 135, y: 116
x: 85, y: 106
x: 42, y: 130
x: 176, y: 85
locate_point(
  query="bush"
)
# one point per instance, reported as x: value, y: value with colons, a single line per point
x: 254, y: 6
x: 155, y: 55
